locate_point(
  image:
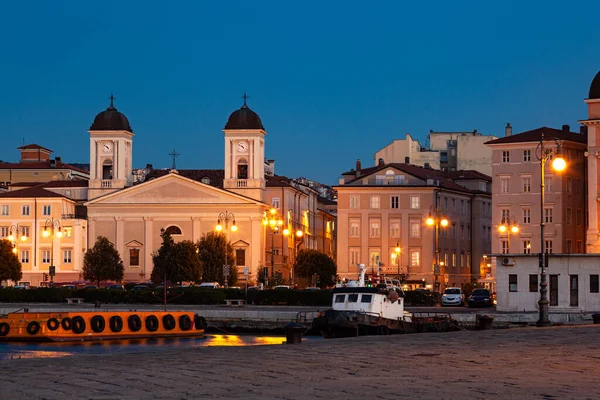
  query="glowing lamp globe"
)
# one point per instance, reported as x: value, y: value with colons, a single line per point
x: 559, y: 164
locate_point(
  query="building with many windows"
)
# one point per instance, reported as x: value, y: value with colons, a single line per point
x: 386, y: 207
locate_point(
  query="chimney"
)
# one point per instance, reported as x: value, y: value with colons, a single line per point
x: 358, y: 168
x: 149, y: 166
x: 508, y: 130
x: 58, y: 159
x: 583, y: 129
x: 566, y: 128
x: 381, y: 163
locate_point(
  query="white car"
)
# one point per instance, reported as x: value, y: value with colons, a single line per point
x: 211, y: 285
x: 453, y: 296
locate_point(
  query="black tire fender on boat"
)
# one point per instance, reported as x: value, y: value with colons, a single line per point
x: 33, y: 327
x: 66, y: 323
x: 97, y: 323
x: 134, y: 322
x: 115, y: 323
x: 169, y: 322
x: 4, y: 328
x: 185, y: 322
x: 151, y: 323
x: 78, y: 324
x: 52, y: 324
x: 200, y: 323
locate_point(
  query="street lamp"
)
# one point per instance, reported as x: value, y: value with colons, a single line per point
x: 434, y: 220
x: 272, y: 220
x: 50, y: 226
x: 14, y: 237
x: 224, y: 219
x: 396, y: 256
x: 507, y: 227
x: 558, y: 164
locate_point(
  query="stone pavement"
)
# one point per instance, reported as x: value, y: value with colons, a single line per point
x: 520, y: 363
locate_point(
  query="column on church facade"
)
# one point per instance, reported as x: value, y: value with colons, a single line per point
x: 196, y: 229
x: 148, y: 246
x: 120, y: 236
x: 258, y: 249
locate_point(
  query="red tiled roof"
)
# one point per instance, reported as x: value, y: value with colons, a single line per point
x: 29, y: 193
x: 467, y: 174
x: 40, y: 165
x: 33, y: 146
x: 215, y: 176
x: 535, y: 135
x: 66, y: 183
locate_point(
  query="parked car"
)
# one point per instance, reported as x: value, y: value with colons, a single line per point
x: 313, y: 288
x: 282, y: 287
x: 90, y: 287
x: 210, y: 285
x: 20, y: 287
x: 139, y: 287
x: 253, y: 287
x: 72, y: 287
x: 453, y: 296
x: 480, y: 298
x: 115, y: 287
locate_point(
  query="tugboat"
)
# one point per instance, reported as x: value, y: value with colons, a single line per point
x: 102, y: 325
x: 359, y: 310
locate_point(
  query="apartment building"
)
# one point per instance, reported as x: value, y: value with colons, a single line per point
x: 516, y: 191
x: 384, y: 207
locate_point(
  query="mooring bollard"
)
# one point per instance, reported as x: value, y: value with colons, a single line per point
x: 294, y: 332
x: 596, y: 318
x: 484, y: 322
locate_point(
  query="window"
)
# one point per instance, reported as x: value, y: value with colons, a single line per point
x: 354, y: 228
x: 276, y: 202
x: 339, y: 298
x: 67, y: 231
x: 366, y: 298
x: 415, y: 202
x: 569, y: 185
x: 594, y: 284
x: 4, y: 231
x: 533, y: 283
x: 578, y: 217
x: 569, y: 216
x: 504, y: 214
x: 25, y: 231
x: 47, y: 210
x: 25, y: 210
x: 375, y: 202
x: 173, y: 230
x: 240, y: 257
x: 24, y: 256
x: 578, y: 186
x: 68, y: 253
x: 569, y: 246
x: 354, y: 255
x: 4, y: 209
x: 504, y: 185
x: 548, y: 246
x: 579, y: 246
x: 242, y: 169
x: 548, y: 215
x: 415, y: 229
x: 462, y: 260
x: 526, y: 184
x: 374, y: 257
x: 454, y: 259
x: 504, y: 244
x: 415, y: 258
x: 354, y: 201
x: 394, y: 202
x: 453, y: 231
x: 512, y: 283
x: 395, y: 228
x: 526, y: 246
x: 462, y: 206
x: 353, y: 298
x: 134, y: 256
x: 45, y: 256
x: 505, y: 156
x: 375, y: 230
x: 462, y: 231
x: 526, y: 155
x: 527, y: 215
x: 453, y: 205
x: 446, y: 258
x: 548, y: 184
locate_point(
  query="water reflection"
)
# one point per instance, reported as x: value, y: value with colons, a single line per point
x: 54, y: 350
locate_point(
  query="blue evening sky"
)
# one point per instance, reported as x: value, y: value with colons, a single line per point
x: 333, y: 81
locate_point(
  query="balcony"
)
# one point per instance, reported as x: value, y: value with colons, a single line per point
x: 106, y: 184
x: 241, y: 183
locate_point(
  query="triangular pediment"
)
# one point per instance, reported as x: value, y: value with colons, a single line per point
x: 134, y: 243
x: 241, y: 243
x: 172, y: 189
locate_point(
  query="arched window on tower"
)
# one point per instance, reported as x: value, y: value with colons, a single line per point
x: 173, y: 230
x: 107, y: 169
x: 242, y: 169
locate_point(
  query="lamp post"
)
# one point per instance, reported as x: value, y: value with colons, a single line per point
x: 434, y: 220
x: 274, y: 222
x: 558, y: 164
x: 508, y: 227
x: 298, y: 238
x: 224, y: 219
x: 50, y: 226
x: 14, y: 237
x: 396, y: 255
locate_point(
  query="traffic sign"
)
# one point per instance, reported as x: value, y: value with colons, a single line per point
x: 436, y: 270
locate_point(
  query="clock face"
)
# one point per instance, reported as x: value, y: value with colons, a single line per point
x: 242, y: 147
x: 107, y: 147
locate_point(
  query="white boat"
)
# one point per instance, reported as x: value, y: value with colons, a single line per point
x: 358, y: 310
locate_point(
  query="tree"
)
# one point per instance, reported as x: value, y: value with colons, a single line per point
x: 10, y: 266
x: 178, y: 262
x: 211, y: 249
x: 103, y: 262
x: 309, y: 262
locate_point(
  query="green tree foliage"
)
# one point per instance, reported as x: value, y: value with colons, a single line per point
x: 178, y: 261
x: 311, y: 262
x: 10, y: 266
x: 211, y: 249
x: 102, y: 262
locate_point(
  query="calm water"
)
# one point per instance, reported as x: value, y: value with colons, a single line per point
x: 51, y: 350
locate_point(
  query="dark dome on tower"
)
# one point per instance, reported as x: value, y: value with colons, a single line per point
x: 111, y: 120
x: 595, y: 87
x: 244, y: 118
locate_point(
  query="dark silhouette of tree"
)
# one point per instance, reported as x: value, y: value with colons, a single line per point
x: 311, y: 262
x: 10, y: 266
x: 103, y: 262
x: 179, y: 262
x: 211, y: 249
